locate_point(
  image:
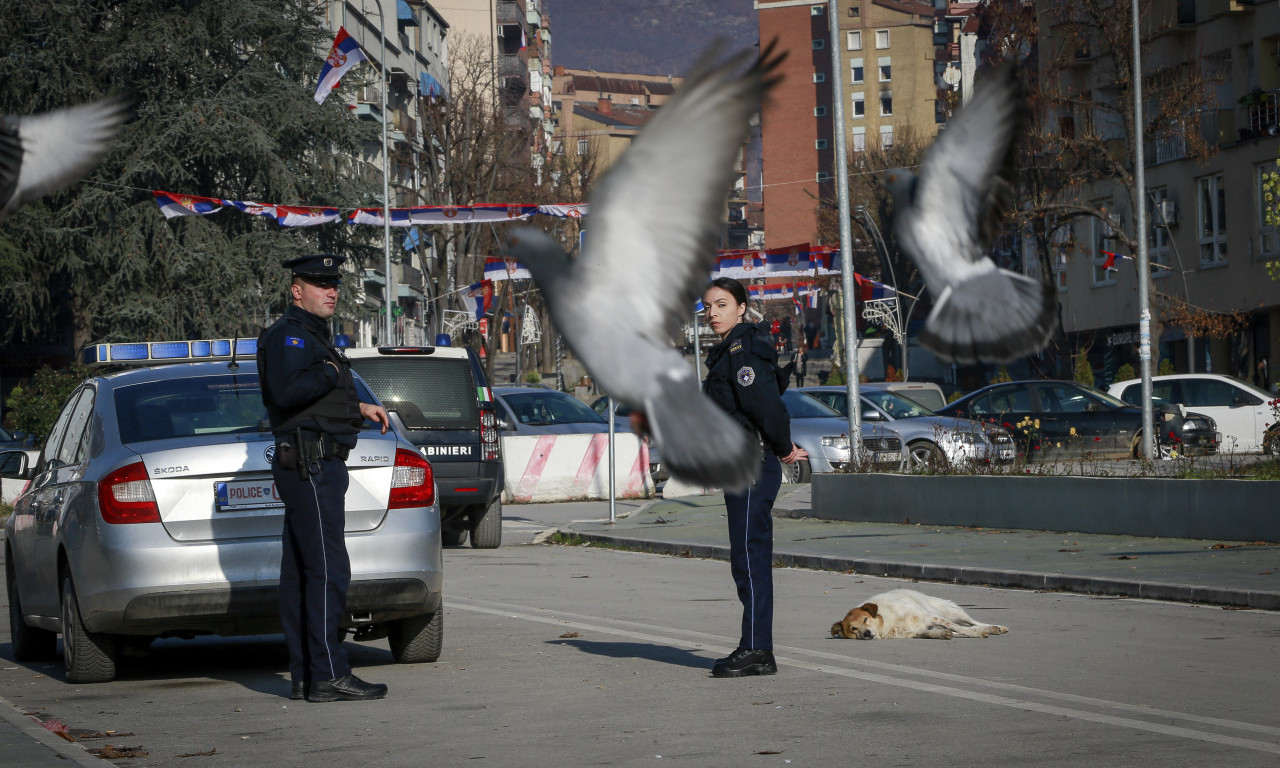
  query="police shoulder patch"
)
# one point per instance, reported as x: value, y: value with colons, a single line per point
x: 735, y: 347
x: 746, y: 375
x: 294, y: 341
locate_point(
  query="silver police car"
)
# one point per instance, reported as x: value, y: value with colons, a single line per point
x: 151, y: 512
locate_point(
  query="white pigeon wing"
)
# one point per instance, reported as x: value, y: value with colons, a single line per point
x: 62, y: 146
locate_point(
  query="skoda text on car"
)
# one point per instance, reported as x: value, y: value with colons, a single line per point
x: 932, y: 440
x: 151, y: 512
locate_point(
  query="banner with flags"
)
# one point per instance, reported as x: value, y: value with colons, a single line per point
x: 305, y: 216
x: 505, y: 269
x: 571, y: 211
x: 478, y: 298
x: 344, y: 55
x: 740, y: 264
x: 173, y: 205
x: 252, y: 208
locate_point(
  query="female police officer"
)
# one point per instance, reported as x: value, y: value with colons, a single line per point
x: 743, y: 379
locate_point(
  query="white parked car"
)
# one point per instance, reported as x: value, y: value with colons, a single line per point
x: 1240, y: 408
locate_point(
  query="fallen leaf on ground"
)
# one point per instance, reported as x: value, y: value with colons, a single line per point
x: 570, y: 634
x: 199, y: 754
x: 1070, y: 550
x: 769, y: 752
x: 107, y: 735
x: 109, y: 752
x: 58, y: 727
x: 1124, y: 557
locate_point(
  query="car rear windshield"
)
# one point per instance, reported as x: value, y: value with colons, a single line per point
x: 428, y: 393
x: 538, y: 408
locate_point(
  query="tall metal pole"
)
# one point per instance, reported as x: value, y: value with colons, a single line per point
x: 613, y: 493
x: 852, y: 382
x: 1144, y: 268
x: 389, y: 339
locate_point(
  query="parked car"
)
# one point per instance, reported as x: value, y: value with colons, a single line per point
x: 824, y: 433
x: 1243, y: 411
x: 933, y: 441
x: 539, y: 411
x: 1066, y: 419
x: 152, y: 512
x: 438, y: 398
x: 622, y: 423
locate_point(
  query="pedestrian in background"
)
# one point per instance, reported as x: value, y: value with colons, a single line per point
x: 743, y: 379
x: 316, y: 417
x: 801, y: 363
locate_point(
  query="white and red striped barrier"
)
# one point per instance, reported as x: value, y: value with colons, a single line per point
x: 574, y: 467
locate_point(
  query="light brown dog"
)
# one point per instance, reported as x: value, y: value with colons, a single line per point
x: 907, y: 613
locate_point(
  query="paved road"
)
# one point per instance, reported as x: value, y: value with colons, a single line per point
x: 1078, y: 680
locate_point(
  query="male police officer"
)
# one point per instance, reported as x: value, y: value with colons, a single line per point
x: 316, y: 416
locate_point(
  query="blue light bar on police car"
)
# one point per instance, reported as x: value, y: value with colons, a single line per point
x: 154, y: 352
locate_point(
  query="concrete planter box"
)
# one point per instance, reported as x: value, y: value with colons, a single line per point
x: 1232, y: 510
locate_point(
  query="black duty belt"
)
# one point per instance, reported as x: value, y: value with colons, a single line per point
x: 303, y: 451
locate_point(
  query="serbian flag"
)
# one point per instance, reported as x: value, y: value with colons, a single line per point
x: 252, y: 208
x: 1111, y: 259
x: 870, y: 289
x: 505, y: 269
x: 478, y: 298
x: 400, y: 217
x: 344, y: 55
x: 172, y: 204
x: 570, y: 211
x: 305, y: 216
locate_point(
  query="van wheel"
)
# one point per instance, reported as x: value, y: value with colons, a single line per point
x: 487, y: 533
x: 417, y: 640
x: 29, y: 643
x: 89, y: 657
x: 453, y: 537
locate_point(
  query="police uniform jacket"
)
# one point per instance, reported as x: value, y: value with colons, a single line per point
x: 299, y: 386
x: 744, y: 380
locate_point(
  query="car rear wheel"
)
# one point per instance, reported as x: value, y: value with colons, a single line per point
x: 89, y: 657
x: 29, y: 643
x: 453, y: 537
x: 417, y: 640
x: 924, y: 456
x: 798, y: 471
x: 1163, y: 450
x: 487, y: 533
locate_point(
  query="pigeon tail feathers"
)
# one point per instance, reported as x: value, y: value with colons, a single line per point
x: 699, y: 442
x: 994, y: 317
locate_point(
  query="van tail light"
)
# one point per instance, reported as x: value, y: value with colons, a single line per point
x: 412, y: 482
x: 126, y: 496
x: 490, y: 443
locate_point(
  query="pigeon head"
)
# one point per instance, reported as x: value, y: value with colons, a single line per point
x: 901, y: 183
x: 539, y: 252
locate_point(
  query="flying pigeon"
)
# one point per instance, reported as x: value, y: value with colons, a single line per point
x: 649, y: 249
x: 943, y: 218
x: 41, y: 154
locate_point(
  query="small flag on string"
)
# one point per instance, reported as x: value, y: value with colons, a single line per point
x: 173, y: 205
x: 1110, y: 263
x: 344, y: 55
x: 478, y: 298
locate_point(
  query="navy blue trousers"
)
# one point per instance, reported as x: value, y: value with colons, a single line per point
x: 314, y: 570
x: 751, y: 553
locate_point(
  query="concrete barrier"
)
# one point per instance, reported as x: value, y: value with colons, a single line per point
x: 1232, y: 510
x: 571, y: 467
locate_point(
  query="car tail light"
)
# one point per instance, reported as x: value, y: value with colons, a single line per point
x: 412, y: 483
x: 490, y: 444
x: 125, y: 496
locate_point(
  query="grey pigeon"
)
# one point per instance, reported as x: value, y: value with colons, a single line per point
x: 650, y: 245
x: 41, y: 154
x: 943, y: 219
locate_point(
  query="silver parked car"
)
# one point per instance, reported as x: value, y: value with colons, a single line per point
x: 151, y: 512
x: 933, y: 441
x: 824, y: 433
x: 541, y: 411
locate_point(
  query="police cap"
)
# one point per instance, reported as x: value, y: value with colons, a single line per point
x: 321, y: 268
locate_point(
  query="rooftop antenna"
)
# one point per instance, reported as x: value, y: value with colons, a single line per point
x: 233, y: 365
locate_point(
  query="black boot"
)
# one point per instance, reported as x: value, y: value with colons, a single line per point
x: 346, y: 688
x: 745, y: 661
x: 300, y: 690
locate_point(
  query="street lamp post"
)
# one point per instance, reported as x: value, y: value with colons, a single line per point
x: 1144, y: 269
x: 386, y: 184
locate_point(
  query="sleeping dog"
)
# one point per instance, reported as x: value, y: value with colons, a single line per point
x: 907, y: 613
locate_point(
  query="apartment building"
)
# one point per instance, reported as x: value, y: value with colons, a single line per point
x: 1209, y: 239
x: 894, y: 56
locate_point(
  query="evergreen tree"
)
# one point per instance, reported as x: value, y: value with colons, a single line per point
x: 223, y: 107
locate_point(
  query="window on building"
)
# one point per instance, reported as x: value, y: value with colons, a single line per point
x: 819, y: 111
x: 816, y: 10
x: 1102, y: 239
x: 1268, y: 234
x: 1060, y: 266
x: 886, y: 136
x: 859, y: 104
x: 855, y: 71
x: 882, y: 38
x: 823, y: 176
x: 855, y: 10
x: 859, y: 138
x: 886, y: 102
x: 819, y: 44
x: 1211, y: 195
x: 584, y: 145
x: 885, y: 68
x: 819, y: 77
x: 1158, y: 232
x: 853, y: 40
x: 820, y: 144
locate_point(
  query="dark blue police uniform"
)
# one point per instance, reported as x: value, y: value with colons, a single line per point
x: 743, y: 379
x: 312, y: 403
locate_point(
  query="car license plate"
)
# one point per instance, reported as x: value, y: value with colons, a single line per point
x: 246, y: 494
x: 1006, y: 453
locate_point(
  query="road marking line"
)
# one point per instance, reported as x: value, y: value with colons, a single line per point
x: 724, y: 645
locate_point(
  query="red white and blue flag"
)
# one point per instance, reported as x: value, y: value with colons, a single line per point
x: 505, y: 269
x: 478, y: 298
x: 1111, y: 259
x: 344, y: 55
x: 870, y: 289
x: 305, y: 216
x: 173, y: 205
x: 251, y: 208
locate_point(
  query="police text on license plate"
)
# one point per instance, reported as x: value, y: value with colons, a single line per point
x: 246, y: 494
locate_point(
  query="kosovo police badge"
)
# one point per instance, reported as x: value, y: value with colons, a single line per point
x: 746, y: 375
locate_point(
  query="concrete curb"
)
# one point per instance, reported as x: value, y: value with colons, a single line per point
x: 26, y: 725
x: 1059, y: 582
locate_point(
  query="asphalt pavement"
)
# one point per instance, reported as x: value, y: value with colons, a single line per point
x: 1232, y: 574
